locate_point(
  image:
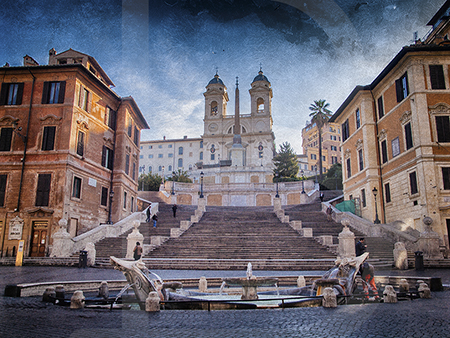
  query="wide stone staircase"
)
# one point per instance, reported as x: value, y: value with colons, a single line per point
x: 117, y: 246
x: 231, y: 237
x: 380, y: 249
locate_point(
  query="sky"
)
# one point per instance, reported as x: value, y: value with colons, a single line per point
x: 164, y: 52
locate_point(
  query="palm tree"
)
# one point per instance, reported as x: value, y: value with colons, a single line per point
x: 320, y: 115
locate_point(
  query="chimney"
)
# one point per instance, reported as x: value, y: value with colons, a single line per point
x: 29, y: 61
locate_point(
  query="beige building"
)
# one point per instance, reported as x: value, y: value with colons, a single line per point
x: 331, y: 140
x: 396, y: 136
x: 69, y: 149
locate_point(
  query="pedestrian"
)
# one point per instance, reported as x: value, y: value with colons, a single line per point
x: 360, y: 247
x: 148, y: 214
x: 329, y: 213
x: 367, y: 275
x: 155, y: 219
x: 137, y: 251
x: 321, y: 196
x: 174, y: 209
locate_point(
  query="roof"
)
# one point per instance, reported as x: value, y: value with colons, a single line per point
x: 439, y: 14
x: 261, y: 77
x: 405, y: 50
x: 215, y: 80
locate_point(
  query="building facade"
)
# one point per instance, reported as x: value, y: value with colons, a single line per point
x: 216, y: 154
x: 69, y: 149
x: 331, y: 140
x: 396, y: 137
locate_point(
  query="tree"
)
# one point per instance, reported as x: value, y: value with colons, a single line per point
x: 150, y: 182
x: 320, y: 115
x: 180, y: 176
x: 286, y: 164
x: 333, y: 181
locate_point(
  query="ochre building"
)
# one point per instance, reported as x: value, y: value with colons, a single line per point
x: 69, y: 149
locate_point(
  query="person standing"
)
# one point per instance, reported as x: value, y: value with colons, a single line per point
x: 360, y: 247
x: 137, y: 251
x: 321, y: 196
x: 148, y: 215
x: 329, y: 213
x: 155, y: 219
x: 174, y: 209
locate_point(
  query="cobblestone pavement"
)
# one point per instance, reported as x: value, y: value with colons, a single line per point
x: 29, y: 317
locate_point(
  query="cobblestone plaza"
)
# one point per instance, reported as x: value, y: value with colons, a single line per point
x: 30, y: 317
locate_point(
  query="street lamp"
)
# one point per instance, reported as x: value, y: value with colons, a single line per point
x: 303, y: 183
x: 201, y: 184
x: 111, y: 195
x: 173, y: 183
x: 276, y: 175
x: 375, y: 192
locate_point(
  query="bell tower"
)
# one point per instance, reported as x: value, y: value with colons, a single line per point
x: 261, y: 96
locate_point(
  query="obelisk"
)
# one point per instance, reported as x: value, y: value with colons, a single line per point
x: 237, y: 150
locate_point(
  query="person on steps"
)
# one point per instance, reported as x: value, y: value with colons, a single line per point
x: 155, y: 219
x: 360, y: 247
x: 174, y: 209
x: 137, y: 251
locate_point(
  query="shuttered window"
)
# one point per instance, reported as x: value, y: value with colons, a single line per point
x: 5, y: 139
x: 48, y: 138
x: 80, y: 143
x: 53, y: 92
x: 402, y: 88
x: 43, y: 190
x: 443, y: 128
x: 413, y: 183
x: 437, y: 77
x: 11, y: 94
x: 3, y: 180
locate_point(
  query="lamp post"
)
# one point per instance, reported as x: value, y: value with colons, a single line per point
x: 111, y: 195
x: 375, y: 192
x: 173, y: 183
x: 201, y: 184
x: 303, y: 183
x: 277, y: 175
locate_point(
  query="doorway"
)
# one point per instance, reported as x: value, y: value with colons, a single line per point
x: 39, y: 238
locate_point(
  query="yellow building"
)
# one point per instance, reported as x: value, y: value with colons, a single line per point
x: 396, y: 137
x: 331, y: 139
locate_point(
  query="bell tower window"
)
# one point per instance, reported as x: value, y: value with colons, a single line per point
x: 214, y: 108
x: 260, y: 105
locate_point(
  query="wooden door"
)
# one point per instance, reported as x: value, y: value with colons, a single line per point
x: 39, y: 239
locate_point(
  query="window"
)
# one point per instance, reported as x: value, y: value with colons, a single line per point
x: 313, y: 156
x: 133, y: 175
x: 387, y: 192
x: 43, y: 190
x: 83, y: 100
x: 170, y: 168
x: 11, y: 94
x: 191, y: 154
x: 127, y: 164
x: 201, y: 144
x: 358, y: 119
x: 141, y: 157
x: 170, y: 155
x: 363, y: 198
x: 443, y: 128
x: 260, y: 155
x: 169, y: 146
x: 180, y: 151
x: 150, y: 169
x: 361, y: 159
x: 107, y: 157
x: 104, y: 198
x: 132, y: 204
x: 446, y: 177
x: 160, y: 168
x: 334, y: 160
x: 76, y: 189
x: 395, y: 144
x: 401, y: 87
x: 160, y: 155
x: 80, y: 143
x: 380, y: 107
x: 384, y: 155
x: 413, y: 183
x: 349, y: 168
x: 213, y: 157
x: 136, y: 136
x: 408, y: 136
x: 5, y: 139
x: 160, y: 146
x: 53, y: 92
x: 345, y: 131
x: 437, y: 77
x: 110, y: 118
x: 180, y: 163
x: 324, y: 159
x: 201, y: 156
x: 150, y: 147
x: 48, y: 138
x: 130, y: 126
x: 150, y: 156
x: 124, y: 199
x: 3, y: 180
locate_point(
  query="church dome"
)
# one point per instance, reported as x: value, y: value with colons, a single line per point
x: 215, y: 80
x: 260, y: 77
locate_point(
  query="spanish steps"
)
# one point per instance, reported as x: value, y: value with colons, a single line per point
x: 231, y: 237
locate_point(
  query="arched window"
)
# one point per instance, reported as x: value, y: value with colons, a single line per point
x: 180, y: 163
x: 170, y: 168
x: 201, y: 144
x: 260, y: 105
x: 180, y: 151
x: 201, y: 156
x: 150, y: 169
x: 214, y: 108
